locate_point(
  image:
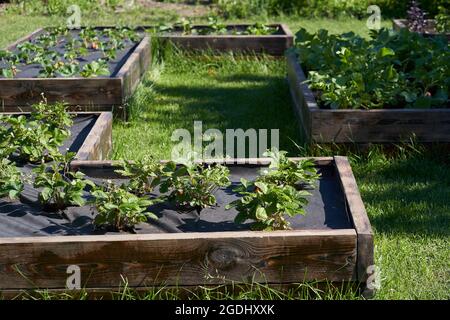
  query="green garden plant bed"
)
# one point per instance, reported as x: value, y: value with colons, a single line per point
x: 95, y: 68
x: 272, y: 39
x: 332, y: 242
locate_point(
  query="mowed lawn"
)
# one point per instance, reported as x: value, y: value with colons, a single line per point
x: 406, y: 192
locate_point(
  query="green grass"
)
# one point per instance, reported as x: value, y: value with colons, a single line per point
x: 406, y: 192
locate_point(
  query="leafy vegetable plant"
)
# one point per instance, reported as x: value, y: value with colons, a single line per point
x: 267, y: 204
x: 144, y: 174
x: 119, y: 209
x: 60, y: 187
x: 277, y: 192
x: 11, y: 184
x: 95, y: 68
x: 192, y: 185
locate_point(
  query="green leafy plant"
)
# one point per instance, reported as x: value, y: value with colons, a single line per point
x: 443, y: 20
x: 144, y: 174
x: 60, y: 187
x: 54, y: 116
x: 11, y: 183
x: 267, y: 204
x: 31, y: 140
x: 277, y: 192
x: 192, y: 185
x: 283, y: 171
x: 119, y: 209
x: 95, y: 68
x: 260, y: 29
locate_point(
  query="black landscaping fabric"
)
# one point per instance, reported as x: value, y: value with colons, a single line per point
x: 326, y: 210
x: 32, y: 70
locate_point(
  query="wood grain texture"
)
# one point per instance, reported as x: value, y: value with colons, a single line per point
x: 362, y: 126
x: 179, y: 259
x: 73, y: 91
x: 359, y: 217
x: 134, y: 68
x: 275, y: 45
x: 27, y: 37
x: 98, y: 143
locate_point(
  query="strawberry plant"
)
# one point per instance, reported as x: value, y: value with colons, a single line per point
x: 60, y: 187
x: 192, y: 185
x: 260, y: 29
x: 95, y: 68
x: 119, y: 209
x: 283, y: 171
x: 54, y: 116
x: 11, y: 184
x: 267, y: 204
x: 144, y: 174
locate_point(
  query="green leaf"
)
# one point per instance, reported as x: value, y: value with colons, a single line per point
x: 261, y: 214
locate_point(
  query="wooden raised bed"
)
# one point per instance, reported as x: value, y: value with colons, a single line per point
x: 93, y: 139
x: 275, y: 44
x: 362, y: 126
x: 184, y: 258
x: 82, y: 94
x: 402, y: 24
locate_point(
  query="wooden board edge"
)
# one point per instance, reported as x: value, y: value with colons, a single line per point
x: 179, y: 236
x: 359, y: 217
x: 98, y: 143
x: 320, y: 161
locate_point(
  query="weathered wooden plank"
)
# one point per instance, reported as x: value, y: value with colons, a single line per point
x: 131, y: 71
x: 98, y: 143
x: 73, y: 91
x: 275, y: 45
x: 359, y: 217
x: 382, y: 126
x: 179, y: 259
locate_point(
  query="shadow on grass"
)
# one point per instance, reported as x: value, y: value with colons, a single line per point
x: 262, y: 104
x: 410, y: 196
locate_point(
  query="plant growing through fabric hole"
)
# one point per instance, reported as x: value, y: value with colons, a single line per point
x: 144, y: 174
x: 192, y: 185
x: 277, y: 192
x: 32, y: 140
x: 119, y: 209
x: 416, y: 17
x: 95, y: 68
x: 267, y: 204
x: 11, y: 183
x: 283, y: 171
x: 60, y: 187
x: 54, y: 116
x: 214, y: 27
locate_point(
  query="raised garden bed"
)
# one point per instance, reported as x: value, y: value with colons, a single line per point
x: 90, y: 135
x: 87, y: 87
x: 233, y: 39
x: 333, y: 241
x: 430, y: 29
x: 370, y: 91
